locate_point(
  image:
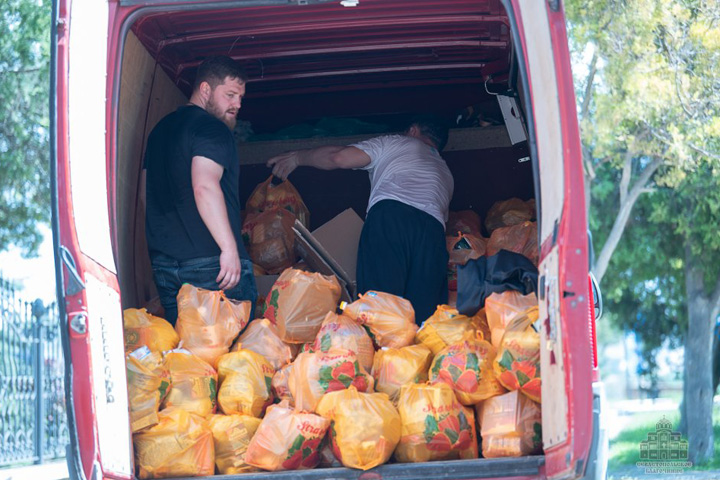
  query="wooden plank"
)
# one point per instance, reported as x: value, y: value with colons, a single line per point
x: 459, y: 139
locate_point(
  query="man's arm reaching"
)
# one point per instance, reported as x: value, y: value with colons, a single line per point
x: 324, y: 158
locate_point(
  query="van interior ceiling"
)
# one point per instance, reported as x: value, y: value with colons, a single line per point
x: 323, y: 73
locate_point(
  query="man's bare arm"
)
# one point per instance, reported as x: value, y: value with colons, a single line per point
x: 206, y: 174
x: 325, y: 158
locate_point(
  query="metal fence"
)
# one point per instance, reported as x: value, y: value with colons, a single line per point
x: 33, y: 425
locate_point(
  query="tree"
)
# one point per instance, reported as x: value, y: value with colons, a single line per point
x: 650, y: 117
x: 24, y: 84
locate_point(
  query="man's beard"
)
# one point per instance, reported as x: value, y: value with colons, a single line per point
x: 216, y: 112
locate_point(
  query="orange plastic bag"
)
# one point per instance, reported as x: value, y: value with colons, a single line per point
x: 341, y: 331
x: 270, y: 239
x: 245, y: 378
x: 287, y: 440
x: 435, y: 426
x: 390, y: 319
x: 395, y: 367
x: 517, y: 364
x: 208, y: 321
x: 281, y: 384
x: 315, y: 374
x: 142, y: 328
x: 501, y: 308
x: 481, y: 322
x: 467, y: 367
x: 365, y: 427
x: 521, y: 238
x: 262, y: 337
x: 511, y: 426
x: 148, y: 385
x: 180, y: 445
x: 507, y: 213
x: 445, y: 327
x: 267, y: 196
x: 465, y: 221
x: 194, y: 383
x: 298, y: 303
x: 231, y: 436
x: 464, y: 247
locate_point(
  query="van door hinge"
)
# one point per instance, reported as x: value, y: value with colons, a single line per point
x: 554, y: 5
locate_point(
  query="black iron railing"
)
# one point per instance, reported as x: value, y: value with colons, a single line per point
x: 33, y: 426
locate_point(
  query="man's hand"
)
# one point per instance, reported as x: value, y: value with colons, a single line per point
x: 283, y: 165
x: 230, y: 269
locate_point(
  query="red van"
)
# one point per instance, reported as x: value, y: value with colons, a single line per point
x: 501, y: 68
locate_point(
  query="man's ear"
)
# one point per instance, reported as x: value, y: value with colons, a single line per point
x: 205, y: 90
x: 413, y: 131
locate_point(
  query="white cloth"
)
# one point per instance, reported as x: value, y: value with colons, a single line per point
x: 408, y: 170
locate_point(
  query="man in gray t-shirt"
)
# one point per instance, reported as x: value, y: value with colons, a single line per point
x: 402, y: 246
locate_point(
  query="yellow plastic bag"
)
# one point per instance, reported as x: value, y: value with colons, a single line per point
x: 435, y: 426
x: 446, y: 326
x: 285, y: 195
x: 315, y: 374
x: 270, y: 239
x: 298, y: 303
x: 507, y: 213
x: 281, y: 384
x: 341, y: 331
x: 517, y: 364
x: 148, y: 385
x: 395, y: 367
x: 287, y: 440
x: 194, y: 383
x: 142, y: 328
x: 180, y: 445
x: 511, y: 426
x: 390, y: 319
x: 467, y: 367
x: 262, y: 337
x: 208, y: 321
x: 365, y: 427
x: 481, y: 323
x: 500, y: 308
x: 231, y: 436
x: 245, y: 378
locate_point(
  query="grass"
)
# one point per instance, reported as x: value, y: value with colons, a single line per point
x: 625, y: 448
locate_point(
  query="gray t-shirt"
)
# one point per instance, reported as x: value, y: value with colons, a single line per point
x: 407, y: 170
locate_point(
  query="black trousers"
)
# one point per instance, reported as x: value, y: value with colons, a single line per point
x: 402, y: 251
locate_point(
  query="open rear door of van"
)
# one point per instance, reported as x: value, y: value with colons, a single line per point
x: 95, y: 379
x: 566, y: 359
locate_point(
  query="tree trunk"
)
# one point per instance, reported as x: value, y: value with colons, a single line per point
x: 698, y: 362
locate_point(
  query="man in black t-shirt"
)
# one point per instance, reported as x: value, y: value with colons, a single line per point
x: 193, y: 220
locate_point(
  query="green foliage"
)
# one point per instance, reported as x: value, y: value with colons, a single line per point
x: 24, y: 153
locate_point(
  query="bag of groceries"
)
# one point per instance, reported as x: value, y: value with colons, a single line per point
x: 521, y: 238
x: 194, y: 383
x: 464, y: 247
x: 231, y: 436
x: 208, y: 321
x: 298, y: 303
x: 395, y: 367
x: 245, y: 383
x: 507, y: 213
x: 180, y: 445
x: 262, y: 337
x: 287, y: 440
x: 446, y: 326
x: 390, y: 319
x: 467, y: 367
x: 281, y: 384
x: 481, y: 322
x: 148, y: 385
x: 270, y: 239
x: 266, y: 196
x: 144, y: 329
x: 435, y: 426
x: 465, y: 221
x: 511, y: 426
x: 365, y: 427
x: 341, y: 331
x: 501, y: 308
x: 315, y: 374
x: 517, y: 364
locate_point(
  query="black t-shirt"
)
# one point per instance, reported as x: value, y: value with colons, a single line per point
x: 173, y: 225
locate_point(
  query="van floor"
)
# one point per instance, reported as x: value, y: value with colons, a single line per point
x: 444, y: 470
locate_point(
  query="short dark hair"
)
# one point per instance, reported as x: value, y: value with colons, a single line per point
x: 433, y: 128
x: 214, y: 71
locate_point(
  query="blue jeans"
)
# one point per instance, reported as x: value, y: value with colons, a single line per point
x: 171, y: 274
